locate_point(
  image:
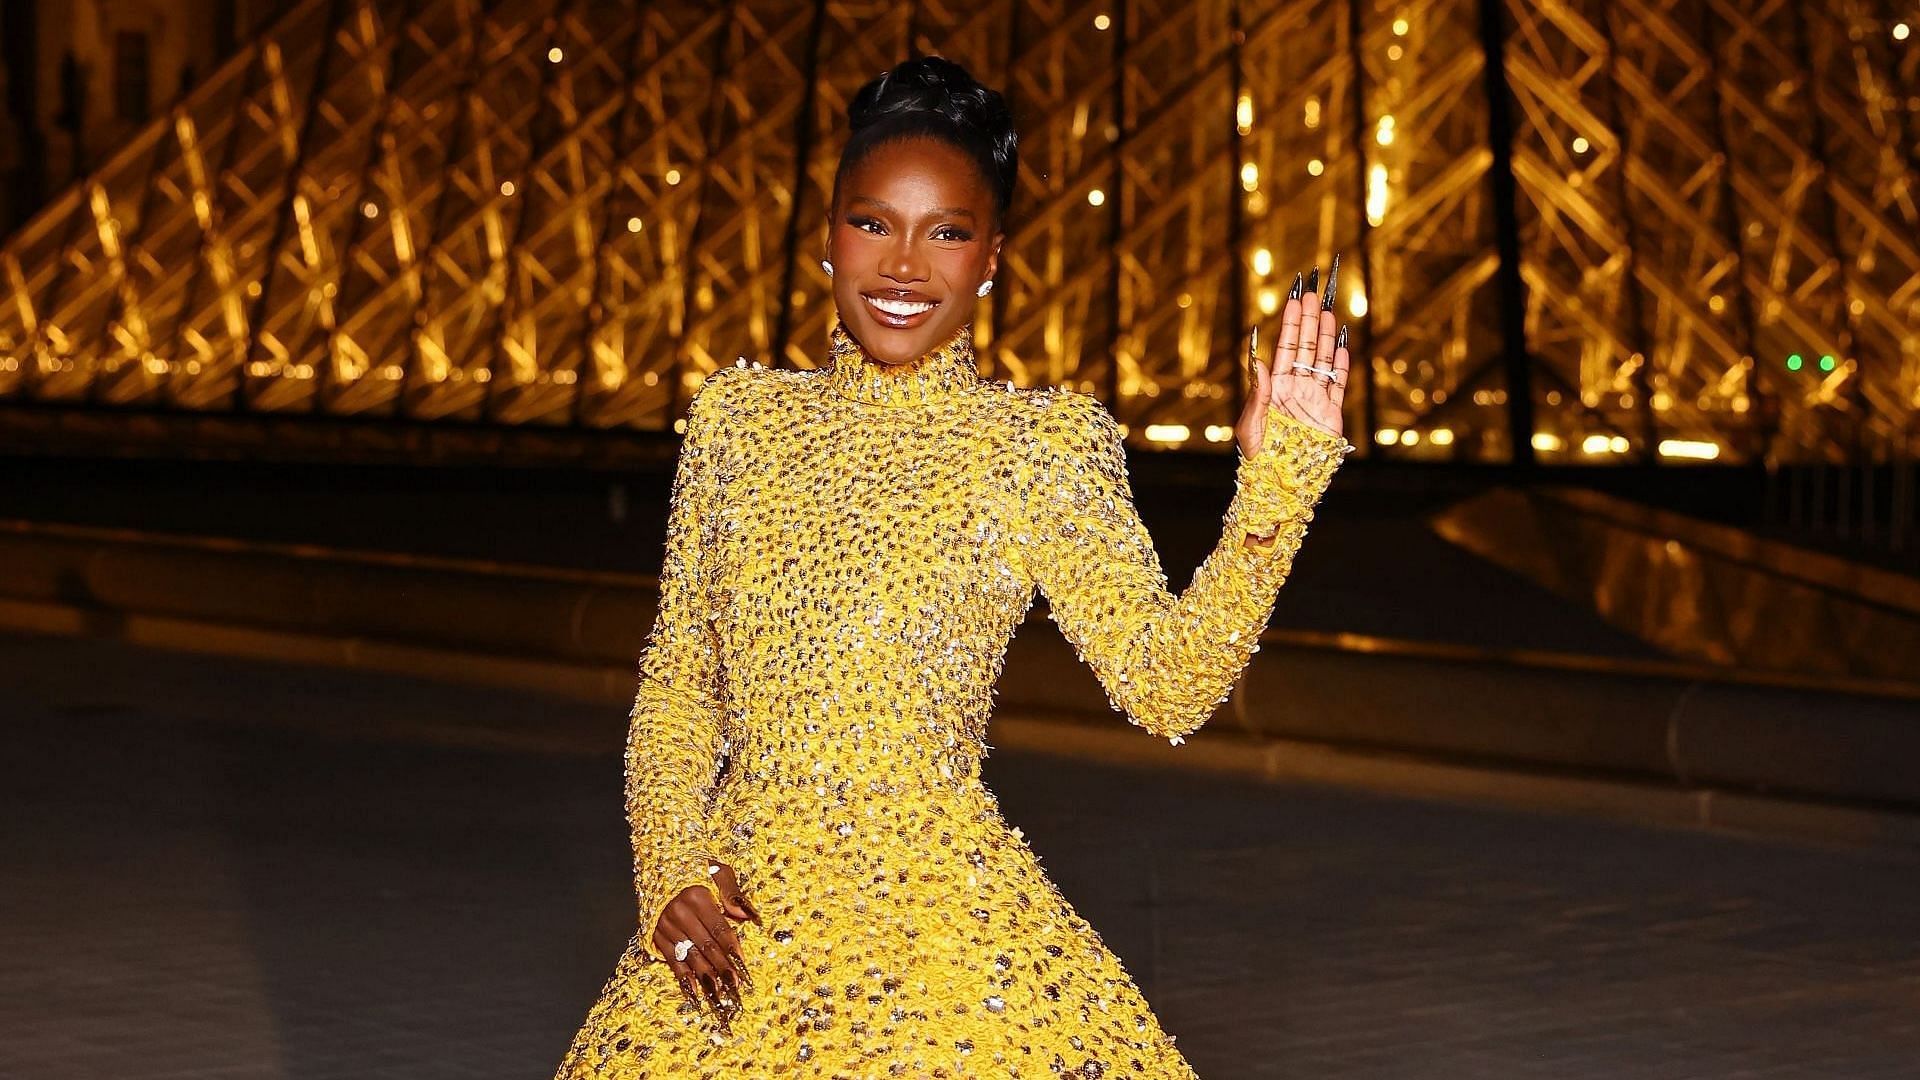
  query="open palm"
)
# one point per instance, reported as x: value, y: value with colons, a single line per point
x: 1307, y: 376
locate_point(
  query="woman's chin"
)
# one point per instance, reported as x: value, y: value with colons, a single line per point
x: 899, y: 346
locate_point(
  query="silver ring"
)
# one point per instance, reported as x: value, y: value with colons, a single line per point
x: 681, y: 948
x: 1330, y: 373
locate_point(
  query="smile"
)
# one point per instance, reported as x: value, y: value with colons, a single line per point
x: 899, y: 309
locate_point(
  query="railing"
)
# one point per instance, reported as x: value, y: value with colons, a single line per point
x: 1870, y: 511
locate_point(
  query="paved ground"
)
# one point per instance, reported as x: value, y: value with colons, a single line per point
x: 221, y: 869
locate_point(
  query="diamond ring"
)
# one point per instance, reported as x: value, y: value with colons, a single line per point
x: 1328, y: 372
x: 681, y: 948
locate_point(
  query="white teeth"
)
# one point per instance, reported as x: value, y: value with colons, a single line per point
x: 899, y: 307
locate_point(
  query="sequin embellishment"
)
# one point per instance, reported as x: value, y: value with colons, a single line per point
x: 849, y: 551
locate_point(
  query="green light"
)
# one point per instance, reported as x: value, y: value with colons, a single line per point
x: 1826, y: 363
x: 1794, y: 362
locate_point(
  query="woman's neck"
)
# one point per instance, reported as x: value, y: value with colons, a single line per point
x: 947, y: 370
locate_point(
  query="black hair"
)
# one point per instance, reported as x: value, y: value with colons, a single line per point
x: 933, y: 97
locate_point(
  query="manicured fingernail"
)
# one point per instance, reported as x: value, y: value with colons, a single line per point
x: 1297, y: 291
x: 1333, y: 278
x: 1341, y: 341
x: 1313, y: 280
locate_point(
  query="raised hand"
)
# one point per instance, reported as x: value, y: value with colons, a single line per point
x: 713, y: 962
x: 1307, y: 378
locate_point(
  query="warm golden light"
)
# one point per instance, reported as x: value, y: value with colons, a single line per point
x: 1547, y: 441
x: 1376, y: 194
x: 1901, y: 31
x: 1219, y: 433
x: 1167, y: 433
x: 459, y: 289
x: 1689, y: 448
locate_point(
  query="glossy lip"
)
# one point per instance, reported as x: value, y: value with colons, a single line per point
x: 899, y: 322
x: 901, y: 294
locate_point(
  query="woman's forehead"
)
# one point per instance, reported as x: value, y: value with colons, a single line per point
x: 917, y: 175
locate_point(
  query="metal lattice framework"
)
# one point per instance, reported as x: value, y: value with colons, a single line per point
x: 1577, y: 228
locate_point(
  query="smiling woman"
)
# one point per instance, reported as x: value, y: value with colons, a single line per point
x: 815, y: 853
x: 915, y: 224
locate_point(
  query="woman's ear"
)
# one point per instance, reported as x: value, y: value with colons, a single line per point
x: 993, y: 256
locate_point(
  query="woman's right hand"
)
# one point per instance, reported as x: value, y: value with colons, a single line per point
x: 715, y: 962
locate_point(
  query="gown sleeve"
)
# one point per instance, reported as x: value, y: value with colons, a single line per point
x: 1165, y: 661
x: 674, y: 739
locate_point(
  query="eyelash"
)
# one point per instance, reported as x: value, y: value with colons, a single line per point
x: 960, y: 235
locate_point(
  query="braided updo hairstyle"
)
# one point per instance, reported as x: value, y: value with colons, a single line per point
x: 932, y: 97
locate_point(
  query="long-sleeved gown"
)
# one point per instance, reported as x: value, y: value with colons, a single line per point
x: 849, y: 550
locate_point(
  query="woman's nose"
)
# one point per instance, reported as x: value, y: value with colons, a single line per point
x: 905, y: 262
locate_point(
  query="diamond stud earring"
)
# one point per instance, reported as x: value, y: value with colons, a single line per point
x: 827, y: 266
x: 985, y: 288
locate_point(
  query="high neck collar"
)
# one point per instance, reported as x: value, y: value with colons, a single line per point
x: 947, y: 370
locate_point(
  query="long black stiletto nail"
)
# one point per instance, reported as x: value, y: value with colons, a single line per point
x: 1333, y: 278
x: 1298, y: 290
x: 1313, y: 280
x: 1340, y: 342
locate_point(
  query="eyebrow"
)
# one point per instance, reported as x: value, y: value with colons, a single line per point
x: 939, y: 211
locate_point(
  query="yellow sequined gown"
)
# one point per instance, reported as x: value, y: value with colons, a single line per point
x: 849, y: 551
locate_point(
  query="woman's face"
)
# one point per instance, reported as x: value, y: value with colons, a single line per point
x: 911, y: 229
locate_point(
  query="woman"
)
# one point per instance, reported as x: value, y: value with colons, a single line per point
x: 849, y: 550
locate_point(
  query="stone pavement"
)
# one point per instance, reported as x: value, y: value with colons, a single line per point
x: 212, y: 868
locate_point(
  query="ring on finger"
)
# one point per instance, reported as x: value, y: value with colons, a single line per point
x: 1328, y: 372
